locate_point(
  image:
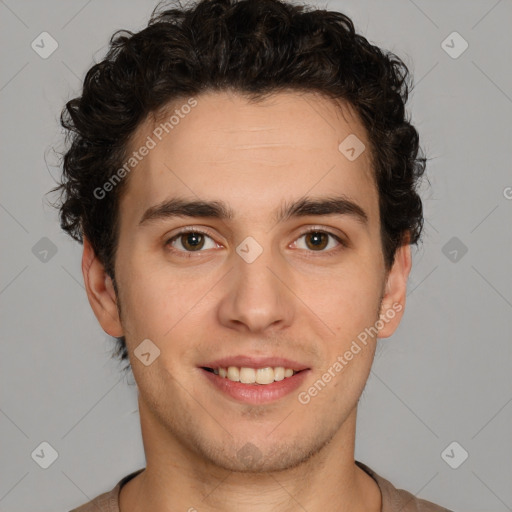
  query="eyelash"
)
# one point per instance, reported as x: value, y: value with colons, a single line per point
x: 191, y: 254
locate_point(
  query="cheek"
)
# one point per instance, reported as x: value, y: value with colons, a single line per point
x: 155, y: 299
x: 345, y: 299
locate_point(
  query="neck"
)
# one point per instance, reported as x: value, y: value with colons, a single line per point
x: 178, y: 478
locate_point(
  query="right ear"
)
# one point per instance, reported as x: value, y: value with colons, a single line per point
x: 100, y: 292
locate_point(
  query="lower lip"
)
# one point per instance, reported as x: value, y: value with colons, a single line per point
x: 256, y: 393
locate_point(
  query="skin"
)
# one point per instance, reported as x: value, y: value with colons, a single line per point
x: 215, y: 304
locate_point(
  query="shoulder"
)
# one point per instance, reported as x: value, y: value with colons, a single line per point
x: 394, y: 500
x: 108, y: 501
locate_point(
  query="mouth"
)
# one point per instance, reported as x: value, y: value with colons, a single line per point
x: 253, y: 376
x: 254, y: 386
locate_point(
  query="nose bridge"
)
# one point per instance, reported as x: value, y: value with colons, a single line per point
x: 257, y: 297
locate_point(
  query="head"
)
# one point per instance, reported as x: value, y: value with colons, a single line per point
x: 248, y: 110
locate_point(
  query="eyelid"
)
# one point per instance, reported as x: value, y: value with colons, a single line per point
x: 189, y: 229
x: 325, y: 229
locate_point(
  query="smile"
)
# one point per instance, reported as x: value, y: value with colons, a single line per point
x: 254, y: 392
x: 246, y: 375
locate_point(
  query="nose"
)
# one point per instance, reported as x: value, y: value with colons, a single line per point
x: 259, y: 294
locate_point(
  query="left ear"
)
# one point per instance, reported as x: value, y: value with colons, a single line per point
x: 393, y: 302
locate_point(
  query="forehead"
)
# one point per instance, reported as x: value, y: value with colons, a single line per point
x: 250, y: 154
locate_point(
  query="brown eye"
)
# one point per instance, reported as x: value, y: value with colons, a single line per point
x: 192, y: 241
x: 317, y: 240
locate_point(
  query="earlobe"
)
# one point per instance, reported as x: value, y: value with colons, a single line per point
x: 393, y: 301
x: 100, y: 292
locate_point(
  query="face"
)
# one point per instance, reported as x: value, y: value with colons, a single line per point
x: 209, y: 291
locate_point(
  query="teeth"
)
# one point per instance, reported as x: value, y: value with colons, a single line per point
x: 265, y: 375
x: 279, y: 373
x: 233, y: 374
x: 255, y: 376
x: 247, y: 375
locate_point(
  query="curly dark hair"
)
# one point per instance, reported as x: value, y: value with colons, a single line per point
x: 255, y: 48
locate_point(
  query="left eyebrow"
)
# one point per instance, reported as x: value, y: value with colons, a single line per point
x: 334, y: 205
x: 307, y: 206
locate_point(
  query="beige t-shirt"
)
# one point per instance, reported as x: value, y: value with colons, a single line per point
x: 393, y: 500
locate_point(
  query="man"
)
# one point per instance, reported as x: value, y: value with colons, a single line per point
x: 243, y: 179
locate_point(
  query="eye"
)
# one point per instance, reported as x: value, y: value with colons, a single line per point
x: 317, y: 240
x: 191, y: 241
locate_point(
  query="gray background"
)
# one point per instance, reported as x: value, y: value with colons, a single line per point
x: 443, y: 377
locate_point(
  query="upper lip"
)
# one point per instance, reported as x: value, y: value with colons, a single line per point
x: 254, y: 362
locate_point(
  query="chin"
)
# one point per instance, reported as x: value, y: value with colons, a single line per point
x: 264, y: 455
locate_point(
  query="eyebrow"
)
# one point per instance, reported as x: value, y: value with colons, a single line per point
x: 306, y: 206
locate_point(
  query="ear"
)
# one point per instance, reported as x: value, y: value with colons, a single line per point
x: 393, y: 301
x: 100, y: 292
